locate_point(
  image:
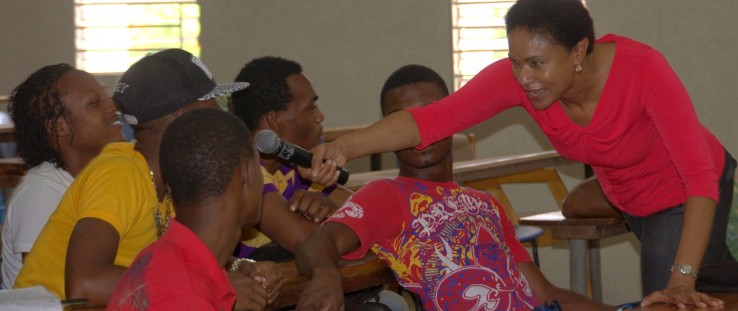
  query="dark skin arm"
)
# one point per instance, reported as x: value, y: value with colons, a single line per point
x: 395, y: 131
x: 90, y: 270
x: 545, y: 291
x: 315, y: 206
x: 318, y: 258
x: 267, y: 274
x: 339, y: 196
x: 285, y: 227
x: 250, y: 294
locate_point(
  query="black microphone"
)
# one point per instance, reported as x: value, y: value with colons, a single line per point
x: 268, y: 142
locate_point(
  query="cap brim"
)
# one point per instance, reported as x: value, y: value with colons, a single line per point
x: 222, y: 89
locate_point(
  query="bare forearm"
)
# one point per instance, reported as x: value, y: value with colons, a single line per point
x: 283, y: 226
x: 318, y: 260
x: 90, y: 270
x: 317, y: 253
x: 96, y: 285
x: 339, y: 195
x: 394, y: 132
x: 698, y: 217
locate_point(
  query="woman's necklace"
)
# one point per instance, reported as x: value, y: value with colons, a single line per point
x: 161, y: 224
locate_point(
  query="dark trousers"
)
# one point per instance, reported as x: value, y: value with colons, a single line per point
x: 660, y: 233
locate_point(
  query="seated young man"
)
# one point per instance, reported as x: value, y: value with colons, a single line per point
x: 63, y: 118
x: 116, y: 206
x: 210, y: 167
x: 452, y: 246
x: 281, y: 98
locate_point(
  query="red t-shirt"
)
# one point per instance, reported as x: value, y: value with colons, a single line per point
x: 452, y: 246
x: 644, y: 142
x: 177, y: 272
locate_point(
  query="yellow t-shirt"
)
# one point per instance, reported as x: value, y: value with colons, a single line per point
x: 115, y: 187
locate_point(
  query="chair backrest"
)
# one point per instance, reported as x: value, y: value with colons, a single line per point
x: 464, y: 147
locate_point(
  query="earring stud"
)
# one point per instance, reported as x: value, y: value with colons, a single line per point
x: 578, y: 68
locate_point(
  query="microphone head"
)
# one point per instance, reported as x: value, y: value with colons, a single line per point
x: 267, y: 141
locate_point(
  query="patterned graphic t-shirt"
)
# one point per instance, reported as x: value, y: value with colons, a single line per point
x: 452, y: 246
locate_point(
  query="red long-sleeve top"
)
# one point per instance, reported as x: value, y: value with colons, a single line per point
x: 644, y: 142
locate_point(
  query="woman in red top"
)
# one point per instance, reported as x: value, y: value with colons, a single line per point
x: 614, y: 104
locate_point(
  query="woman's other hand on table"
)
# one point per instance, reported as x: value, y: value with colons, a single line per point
x: 681, y: 295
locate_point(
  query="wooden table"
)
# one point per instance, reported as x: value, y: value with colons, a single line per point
x: 583, y: 235
x: 364, y: 273
x: 473, y: 170
x: 730, y: 300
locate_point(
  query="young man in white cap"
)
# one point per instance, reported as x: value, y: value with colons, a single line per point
x: 116, y: 206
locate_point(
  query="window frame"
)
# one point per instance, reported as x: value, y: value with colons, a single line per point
x: 108, y: 46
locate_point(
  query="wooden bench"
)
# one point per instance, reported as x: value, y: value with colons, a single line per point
x: 364, y: 273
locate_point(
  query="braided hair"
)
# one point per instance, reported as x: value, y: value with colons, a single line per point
x: 35, y: 107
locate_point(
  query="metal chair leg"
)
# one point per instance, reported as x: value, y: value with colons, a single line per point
x: 534, y: 246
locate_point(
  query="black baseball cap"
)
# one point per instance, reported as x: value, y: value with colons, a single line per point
x: 163, y: 82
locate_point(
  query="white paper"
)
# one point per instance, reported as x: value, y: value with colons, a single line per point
x: 35, y: 298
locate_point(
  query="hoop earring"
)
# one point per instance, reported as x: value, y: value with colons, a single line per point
x: 578, y: 68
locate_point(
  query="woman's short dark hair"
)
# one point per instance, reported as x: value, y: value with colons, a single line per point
x: 564, y: 21
x: 35, y: 107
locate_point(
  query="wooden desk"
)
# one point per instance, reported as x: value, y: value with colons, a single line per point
x: 583, y: 235
x: 364, y: 273
x: 466, y: 171
x: 730, y: 300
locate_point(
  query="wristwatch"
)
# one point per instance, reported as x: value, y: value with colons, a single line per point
x: 685, y: 269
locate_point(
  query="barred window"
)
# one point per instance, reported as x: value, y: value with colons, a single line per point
x: 112, y: 34
x: 479, y: 36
